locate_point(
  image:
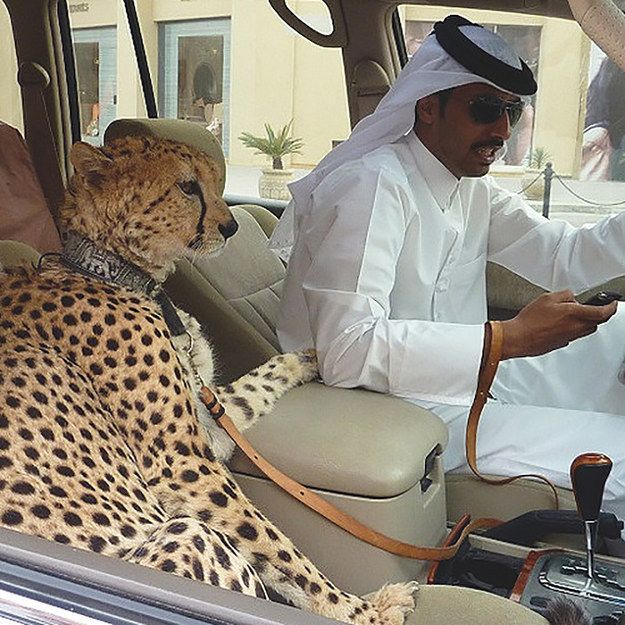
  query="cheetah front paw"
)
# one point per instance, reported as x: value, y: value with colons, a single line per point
x: 310, y: 366
x: 302, y: 366
x: 393, y: 602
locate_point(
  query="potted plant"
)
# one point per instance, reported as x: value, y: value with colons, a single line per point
x: 275, y: 145
x: 533, y: 181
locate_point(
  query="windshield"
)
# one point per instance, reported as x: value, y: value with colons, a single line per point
x: 242, y: 74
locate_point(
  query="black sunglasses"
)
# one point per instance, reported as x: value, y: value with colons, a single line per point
x: 486, y: 109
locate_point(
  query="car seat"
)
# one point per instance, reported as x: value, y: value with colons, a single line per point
x: 24, y: 213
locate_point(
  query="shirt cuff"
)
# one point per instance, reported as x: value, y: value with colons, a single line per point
x: 448, y: 371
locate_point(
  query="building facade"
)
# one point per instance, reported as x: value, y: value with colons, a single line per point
x: 233, y: 66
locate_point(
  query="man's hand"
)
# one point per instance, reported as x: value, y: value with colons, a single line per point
x: 551, y: 321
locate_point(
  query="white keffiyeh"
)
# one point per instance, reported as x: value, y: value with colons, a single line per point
x: 430, y: 70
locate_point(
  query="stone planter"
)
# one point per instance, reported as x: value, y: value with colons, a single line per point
x: 272, y: 184
x: 536, y: 190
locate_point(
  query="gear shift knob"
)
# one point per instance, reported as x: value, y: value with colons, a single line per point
x: 589, y: 473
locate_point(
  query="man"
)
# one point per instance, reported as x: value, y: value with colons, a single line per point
x: 391, y: 234
x: 604, y: 126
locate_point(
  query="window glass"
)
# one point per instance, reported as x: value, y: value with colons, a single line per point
x: 95, y: 51
x: 97, y: 46
x: 576, y: 120
x: 194, y: 74
x: 320, y: 19
x: 10, y: 100
x: 231, y: 66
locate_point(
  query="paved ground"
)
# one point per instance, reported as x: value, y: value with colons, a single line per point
x: 244, y: 180
x: 577, y: 202
x: 568, y: 197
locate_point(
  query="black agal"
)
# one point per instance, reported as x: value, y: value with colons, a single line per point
x: 469, y: 55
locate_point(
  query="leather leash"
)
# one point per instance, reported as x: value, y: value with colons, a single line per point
x: 350, y: 524
x: 490, y: 362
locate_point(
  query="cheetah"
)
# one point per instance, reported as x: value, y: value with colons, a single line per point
x: 102, y: 444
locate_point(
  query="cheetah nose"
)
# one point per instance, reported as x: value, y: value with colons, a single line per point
x: 227, y: 230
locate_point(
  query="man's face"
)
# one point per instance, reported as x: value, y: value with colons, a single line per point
x: 450, y: 131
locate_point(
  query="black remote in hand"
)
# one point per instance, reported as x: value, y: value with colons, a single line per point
x: 603, y: 297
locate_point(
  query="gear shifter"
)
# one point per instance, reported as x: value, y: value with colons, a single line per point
x: 589, y: 473
x: 598, y: 586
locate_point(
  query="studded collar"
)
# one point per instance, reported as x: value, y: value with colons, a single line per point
x: 82, y: 255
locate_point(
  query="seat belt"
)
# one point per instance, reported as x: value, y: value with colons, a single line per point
x: 34, y: 80
x: 492, y: 355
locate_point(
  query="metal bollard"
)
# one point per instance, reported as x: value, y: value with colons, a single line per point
x: 548, y: 175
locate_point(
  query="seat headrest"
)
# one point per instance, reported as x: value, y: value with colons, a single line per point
x: 191, y: 133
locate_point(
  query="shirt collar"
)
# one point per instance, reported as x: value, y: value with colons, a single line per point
x: 442, y: 183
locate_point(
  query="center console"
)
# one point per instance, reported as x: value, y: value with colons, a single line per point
x: 548, y: 575
x: 598, y: 585
x: 536, y: 577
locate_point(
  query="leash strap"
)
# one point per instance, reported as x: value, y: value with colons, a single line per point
x: 34, y: 80
x: 490, y: 360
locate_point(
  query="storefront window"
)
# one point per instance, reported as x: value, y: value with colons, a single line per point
x: 95, y: 54
x: 200, y: 81
x: 96, y: 71
x: 194, y: 72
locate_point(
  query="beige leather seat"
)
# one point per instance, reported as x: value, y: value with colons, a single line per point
x: 24, y: 213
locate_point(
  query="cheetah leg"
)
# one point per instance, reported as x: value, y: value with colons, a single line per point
x: 279, y: 563
x: 255, y: 393
x: 187, y: 547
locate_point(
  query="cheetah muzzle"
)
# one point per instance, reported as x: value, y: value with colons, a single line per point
x: 102, y: 444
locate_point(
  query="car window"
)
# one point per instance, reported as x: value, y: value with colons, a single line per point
x: 231, y: 71
x: 10, y: 100
x: 576, y: 121
x: 98, y: 41
x: 44, y: 582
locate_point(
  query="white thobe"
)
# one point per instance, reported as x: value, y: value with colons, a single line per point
x: 387, y: 282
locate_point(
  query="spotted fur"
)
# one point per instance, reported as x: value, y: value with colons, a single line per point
x: 101, y: 445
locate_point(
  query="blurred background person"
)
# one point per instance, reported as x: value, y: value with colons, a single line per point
x: 603, y: 146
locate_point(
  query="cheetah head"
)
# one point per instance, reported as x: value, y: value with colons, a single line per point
x: 149, y: 200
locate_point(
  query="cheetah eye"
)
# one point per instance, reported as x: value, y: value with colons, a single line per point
x: 189, y: 187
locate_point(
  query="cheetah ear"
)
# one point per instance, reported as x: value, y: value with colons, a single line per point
x: 90, y: 162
